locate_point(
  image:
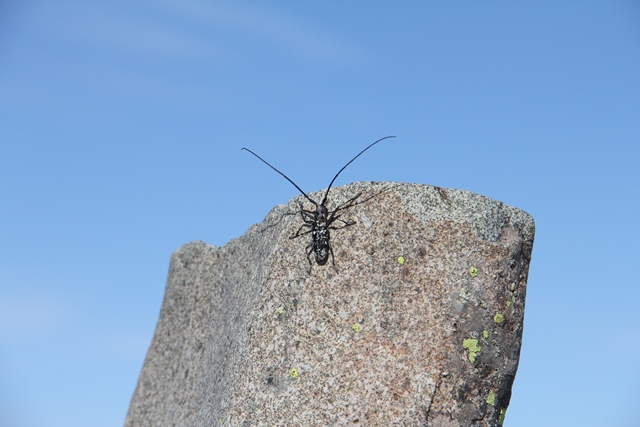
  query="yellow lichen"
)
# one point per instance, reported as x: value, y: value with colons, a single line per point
x: 471, y: 344
x: 503, y: 412
x: 491, y: 398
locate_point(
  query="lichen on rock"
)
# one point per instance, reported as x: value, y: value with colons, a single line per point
x: 246, y: 336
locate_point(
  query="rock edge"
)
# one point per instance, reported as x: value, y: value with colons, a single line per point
x: 421, y: 326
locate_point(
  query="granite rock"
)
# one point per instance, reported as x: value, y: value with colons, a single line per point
x: 421, y: 325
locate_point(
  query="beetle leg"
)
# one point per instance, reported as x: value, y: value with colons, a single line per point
x: 309, y: 250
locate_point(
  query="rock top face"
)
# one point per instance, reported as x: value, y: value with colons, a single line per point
x: 421, y: 326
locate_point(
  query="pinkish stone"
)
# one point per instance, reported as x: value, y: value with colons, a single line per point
x: 422, y: 326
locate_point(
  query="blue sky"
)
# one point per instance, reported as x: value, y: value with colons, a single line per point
x: 121, y: 125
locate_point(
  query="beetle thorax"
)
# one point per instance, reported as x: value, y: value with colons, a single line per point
x: 321, y: 214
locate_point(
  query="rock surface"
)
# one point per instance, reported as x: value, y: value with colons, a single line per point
x: 421, y: 326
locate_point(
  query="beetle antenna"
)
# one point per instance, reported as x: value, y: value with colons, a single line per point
x: 286, y: 177
x: 334, y: 178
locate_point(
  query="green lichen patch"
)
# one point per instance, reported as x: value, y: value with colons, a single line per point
x: 491, y: 398
x: 355, y: 327
x: 485, y: 334
x: 294, y: 373
x: 471, y: 344
x: 498, y: 318
x: 401, y: 260
x: 503, y: 412
x: 473, y: 271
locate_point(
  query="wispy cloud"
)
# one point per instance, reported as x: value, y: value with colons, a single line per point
x: 177, y: 53
x: 128, y: 33
x: 26, y: 318
x: 265, y: 24
x: 194, y: 30
x: 127, y: 344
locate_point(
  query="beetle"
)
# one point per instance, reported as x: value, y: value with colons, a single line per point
x: 318, y: 222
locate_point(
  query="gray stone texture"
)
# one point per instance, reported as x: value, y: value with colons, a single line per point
x: 247, y: 337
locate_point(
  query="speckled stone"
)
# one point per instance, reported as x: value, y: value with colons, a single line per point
x: 421, y: 326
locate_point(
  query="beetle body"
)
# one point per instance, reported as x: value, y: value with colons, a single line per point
x: 320, y: 221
